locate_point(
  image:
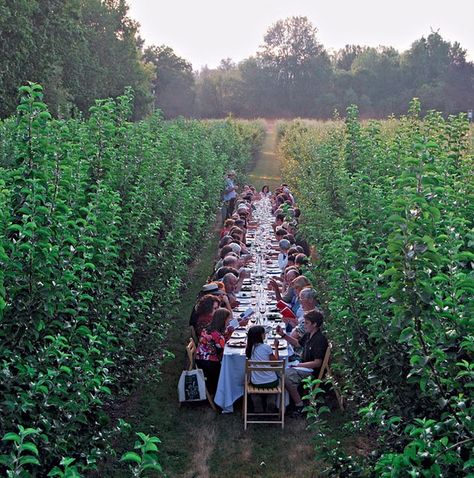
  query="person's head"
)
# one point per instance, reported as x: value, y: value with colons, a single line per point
x: 240, y: 223
x: 230, y: 261
x: 289, y: 237
x: 207, y: 304
x: 231, y: 174
x: 230, y: 281
x: 228, y: 223
x: 212, y: 288
x: 222, y: 271
x: 255, y: 335
x: 297, y: 212
x: 300, y: 283
x: 236, y: 249
x: 280, y: 233
x: 225, y: 240
x: 265, y: 189
x: 291, y: 260
x: 280, y: 199
x: 284, y: 245
x: 308, y: 298
x: 219, y: 320
x: 225, y: 250
x: 243, y: 210
x: 301, y: 260
x: 313, y: 320
x: 279, y: 219
x: 291, y: 274
x: 293, y: 250
x: 299, y: 249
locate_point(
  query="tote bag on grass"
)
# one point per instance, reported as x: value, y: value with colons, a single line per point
x: 192, y: 386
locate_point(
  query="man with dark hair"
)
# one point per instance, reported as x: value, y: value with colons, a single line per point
x: 314, y: 345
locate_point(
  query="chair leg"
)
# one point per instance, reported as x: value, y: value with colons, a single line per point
x: 339, y: 398
x: 245, y: 409
x: 282, y: 409
x: 211, y: 401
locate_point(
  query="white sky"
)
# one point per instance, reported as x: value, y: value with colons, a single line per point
x: 205, y: 31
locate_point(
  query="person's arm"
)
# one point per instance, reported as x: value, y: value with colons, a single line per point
x: 291, y: 340
x: 275, y: 355
x: 243, y: 274
x: 274, y: 285
x: 313, y: 364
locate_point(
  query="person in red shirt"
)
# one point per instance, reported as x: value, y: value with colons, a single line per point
x: 211, y: 347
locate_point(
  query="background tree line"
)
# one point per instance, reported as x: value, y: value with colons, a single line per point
x: 87, y: 49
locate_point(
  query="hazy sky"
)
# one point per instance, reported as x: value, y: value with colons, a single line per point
x: 205, y: 31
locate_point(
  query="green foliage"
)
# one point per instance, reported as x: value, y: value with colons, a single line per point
x: 146, y: 457
x: 81, y: 50
x: 389, y: 208
x: 24, y: 453
x: 98, y: 221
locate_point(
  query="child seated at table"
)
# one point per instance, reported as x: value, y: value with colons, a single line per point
x: 258, y: 350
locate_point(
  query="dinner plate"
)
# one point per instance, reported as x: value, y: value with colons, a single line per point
x: 238, y: 335
x: 239, y: 344
x: 274, y: 316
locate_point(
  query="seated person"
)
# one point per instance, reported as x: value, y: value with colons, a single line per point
x: 210, y: 348
x: 279, y: 220
x: 222, y: 253
x: 258, y: 350
x: 233, y: 284
x: 222, y: 271
x: 286, y: 292
x: 205, y: 308
x: 280, y: 233
x: 284, y: 246
x: 314, y: 345
x: 301, y: 261
x: 228, y: 224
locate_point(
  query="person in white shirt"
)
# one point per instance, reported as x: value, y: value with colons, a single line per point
x: 284, y: 246
x: 258, y: 350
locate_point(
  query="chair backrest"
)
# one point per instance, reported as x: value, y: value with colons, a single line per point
x: 191, y: 351
x: 194, y: 336
x: 325, y: 364
x: 277, y: 366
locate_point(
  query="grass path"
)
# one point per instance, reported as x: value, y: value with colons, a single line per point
x: 267, y: 166
x: 196, y: 442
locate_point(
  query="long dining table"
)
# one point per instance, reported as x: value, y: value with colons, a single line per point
x: 254, y: 294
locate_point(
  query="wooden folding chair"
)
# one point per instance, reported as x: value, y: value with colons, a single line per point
x: 277, y: 366
x: 325, y: 373
x: 191, y: 351
x: 194, y: 336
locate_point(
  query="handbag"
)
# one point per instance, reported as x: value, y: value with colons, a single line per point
x: 192, y: 386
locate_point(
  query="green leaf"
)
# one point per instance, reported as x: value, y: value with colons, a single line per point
x: 11, y: 436
x: 29, y: 460
x: 406, y: 334
x: 131, y: 456
x: 31, y: 447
